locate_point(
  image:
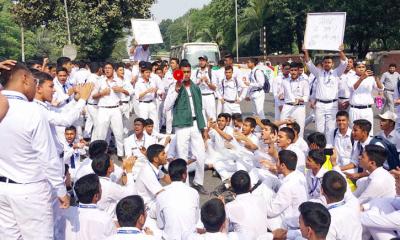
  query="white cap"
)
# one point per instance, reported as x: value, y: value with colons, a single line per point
x: 388, y: 115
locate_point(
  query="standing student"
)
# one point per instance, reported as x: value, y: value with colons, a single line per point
x: 30, y: 168
x: 390, y: 80
x: 277, y: 89
x: 255, y: 84
x: 326, y: 92
x: 186, y: 104
x: 125, y: 96
x: 344, y: 90
x: 91, y: 108
x: 230, y: 93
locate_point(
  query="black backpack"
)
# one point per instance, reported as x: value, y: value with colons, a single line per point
x: 391, y: 151
x: 266, y: 86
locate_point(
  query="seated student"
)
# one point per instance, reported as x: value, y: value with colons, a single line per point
x: 369, y: 188
x: 345, y: 217
x: 291, y: 193
x: 298, y: 141
x: 314, y: 162
x: 73, y: 149
x: 160, y: 138
x: 237, y: 121
x: 131, y: 216
x: 112, y: 192
x: 314, y: 221
x: 381, y: 217
x: 87, y: 221
x: 247, y: 213
x: 178, y: 205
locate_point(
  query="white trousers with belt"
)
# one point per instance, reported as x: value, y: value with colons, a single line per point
x: 148, y: 110
x: 298, y: 113
x: 91, y: 121
x: 257, y: 102
x: 364, y: 113
x: 209, y: 107
x: 325, y: 116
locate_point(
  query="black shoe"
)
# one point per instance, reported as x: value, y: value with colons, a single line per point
x: 219, y: 189
x: 200, y: 189
x: 120, y: 159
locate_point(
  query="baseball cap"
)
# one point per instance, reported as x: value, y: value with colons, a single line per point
x: 388, y: 115
x: 203, y: 57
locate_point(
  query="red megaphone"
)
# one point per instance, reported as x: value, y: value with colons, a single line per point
x: 178, y: 75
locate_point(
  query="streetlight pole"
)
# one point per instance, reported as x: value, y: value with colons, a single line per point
x: 22, y: 44
x: 67, y: 18
x: 237, y: 31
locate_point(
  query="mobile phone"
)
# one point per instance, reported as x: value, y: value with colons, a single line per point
x: 328, y: 151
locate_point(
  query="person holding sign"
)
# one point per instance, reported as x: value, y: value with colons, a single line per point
x: 325, y: 98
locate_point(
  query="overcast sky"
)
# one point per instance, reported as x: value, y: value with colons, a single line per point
x: 173, y: 9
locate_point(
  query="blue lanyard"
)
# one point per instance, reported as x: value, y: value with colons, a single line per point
x: 314, y: 186
x: 128, y: 231
x: 336, y: 205
x: 154, y: 171
x: 15, y: 97
x: 87, y: 206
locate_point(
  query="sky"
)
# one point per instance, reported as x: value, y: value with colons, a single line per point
x: 172, y: 9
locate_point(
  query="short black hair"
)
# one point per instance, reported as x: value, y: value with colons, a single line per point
x: 94, y: 67
x: 213, y: 215
x: 317, y: 156
x: 392, y: 65
x: 129, y: 209
x: 253, y: 60
x: 376, y: 154
x: 148, y: 122
x: 285, y: 64
x: 42, y: 77
x: 316, y: 216
x: 363, y: 124
x: 289, y: 132
x: 252, y: 122
x: 222, y: 115
x: 100, y: 164
x: 228, y: 68
x: 153, y: 151
x: 184, y: 64
x: 240, y: 182
x: 109, y: 63
x: 174, y: 59
x: 61, y: 69
x: 288, y: 158
x: 176, y: 169
x: 237, y: 117
x: 119, y: 65
x: 295, y: 126
x: 228, y: 116
x: 327, y: 57
x: 229, y: 55
x: 294, y: 65
x: 63, y: 60
x: 342, y: 113
x: 31, y: 62
x: 82, y: 63
x: 140, y: 120
x: 6, y: 75
x: 274, y: 128
x: 97, y: 147
x: 86, y: 187
x: 334, y: 185
x: 318, y: 139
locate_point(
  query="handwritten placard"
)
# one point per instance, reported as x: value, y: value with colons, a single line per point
x: 146, y: 31
x: 325, y: 31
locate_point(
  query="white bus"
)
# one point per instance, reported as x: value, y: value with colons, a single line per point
x: 192, y: 51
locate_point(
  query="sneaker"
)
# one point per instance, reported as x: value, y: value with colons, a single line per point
x: 200, y: 188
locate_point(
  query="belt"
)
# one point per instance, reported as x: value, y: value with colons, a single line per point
x: 293, y: 104
x: 109, y: 106
x: 7, y: 180
x: 361, y: 106
x: 93, y: 104
x: 344, y: 98
x: 258, y: 89
x: 327, y: 101
x: 121, y: 102
x: 389, y: 90
x: 206, y: 94
x: 229, y: 101
x: 150, y: 101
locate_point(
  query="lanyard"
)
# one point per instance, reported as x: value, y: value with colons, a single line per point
x: 314, y: 185
x: 121, y: 231
x: 15, y: 97
x: 87, y: 206
x: 336, y: 205
x: 153, y: 171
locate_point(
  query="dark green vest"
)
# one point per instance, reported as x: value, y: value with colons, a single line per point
x: 182, y: 114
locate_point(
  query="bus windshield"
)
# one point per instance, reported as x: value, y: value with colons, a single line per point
x: 193, y: 52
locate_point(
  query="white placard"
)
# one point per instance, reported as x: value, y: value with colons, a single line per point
x: 146, y: 31
x: 324, y: 31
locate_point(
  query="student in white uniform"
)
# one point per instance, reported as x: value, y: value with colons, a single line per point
x: 125, y: 97
x: 131, y: 214
x: 296, y: 92
x: 86, y: 221
x: 361, y: 100
x: 390, y: 80
x: 291, y: 193
x: 112, y: 192
x: 326, y: 92
x: 108, y: 114
x: 370, y: 187
x: 82, y: 74
x: 344, y: 90
x: 315, y: 172
x: 145, y: 93
x: 314, y: 221
x: 277, y: 89
x: 345, y: 219
x: 387, y: 124
x: 91, y: 108
x: 177, y: 206
x: 63, y: 90
x: 73, y: 150
x: 230, y: 92
x: 30, y: 168
x: 255, y: 85
x: 298, y: 141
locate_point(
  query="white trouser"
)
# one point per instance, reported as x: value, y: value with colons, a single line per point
x: 298, y: 113
x: 209, y: 107
x: 91, y: 118
x: 277, y: 108
x: 389, y: 101
x: 160, y: 115
x: 365, y: 113
x: 148, y: 110
x: 168, y: 121
x: 134, y: 104
x: 325, y: 116
x: 26, y: 211
x: 125, y: 111
x: 111, y: 117
x: 190, y: 138
x: 230, y: 108
x: 257, y: 102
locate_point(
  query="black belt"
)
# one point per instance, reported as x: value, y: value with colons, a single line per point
x: 7, y: 180
x: 229, y: 101
x: 327, y: 101
x: 109, y: 106
x: 121, y: 102
x: 93, y: 104
x: 361, y: 107
x: 206, y: 94
x: 258, y: 89
x: 344, y: 98
x: 150, y: 101
x: 294, y: 104
x: 194, y: 118
x: 388, y: 90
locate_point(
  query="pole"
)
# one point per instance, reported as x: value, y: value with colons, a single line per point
x: 265, y: 43
x: 67, y: 18
x: 22, y: 44
x: 187, y: 30
x: 237, y: 32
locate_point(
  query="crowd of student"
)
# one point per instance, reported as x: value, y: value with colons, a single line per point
x: 61, y: 124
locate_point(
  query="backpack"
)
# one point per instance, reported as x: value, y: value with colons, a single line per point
x: 208, y: 70
x: 391, y: 151
x: 266, y: 87
x: 223, y: 87
x: 335, y: 133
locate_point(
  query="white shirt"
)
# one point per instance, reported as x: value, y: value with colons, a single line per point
x: 301, y: 158
x: 290, y: 195
x: 141, y: 86
x: 295, y: 89
x: 345, y: 222
x: 277, y: 87
x: 81, y: 76
x: 257, y: 79
x: 132, y: 145
x: 147, y: 183
x: 127, y: 85
x: 141, y: 54
x: 371, y: 187
x: 130, y: 233
x: 198, y: 74
x: 29, y: 153
x: 113, y: 98
x: 213, y: 236
x: 248, y: 214
x: 95, y: 79
x: 61, y: 92
x: 177, y: 210
x: 314, y: 183
x: 327, y: 82
x: 85, y: 168
x: 217, y: 141
x: 87, y: 222
x: 363, y: 94
x: 343, y: 145
x: 344, y: 90
x: 302, y: 145
x: 393, y: 137
x: 231, y: 89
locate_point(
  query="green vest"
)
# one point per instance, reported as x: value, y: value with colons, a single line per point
x: 182, y: 114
